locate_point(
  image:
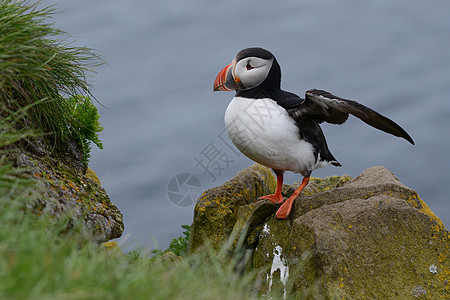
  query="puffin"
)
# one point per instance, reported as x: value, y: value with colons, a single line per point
x: 281, y: 130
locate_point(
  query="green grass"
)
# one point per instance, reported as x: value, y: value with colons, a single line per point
x: 41, y: 80
x: 37, y: 263
x: 84, y: 125
x: 41, y: 72
x: 40, y: 260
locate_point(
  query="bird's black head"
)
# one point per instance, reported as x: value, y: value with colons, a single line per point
x: 253, y: 71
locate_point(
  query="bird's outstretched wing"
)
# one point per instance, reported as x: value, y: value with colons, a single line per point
x: 323, y: 106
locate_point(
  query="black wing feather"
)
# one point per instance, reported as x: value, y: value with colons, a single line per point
x: 324, y: 106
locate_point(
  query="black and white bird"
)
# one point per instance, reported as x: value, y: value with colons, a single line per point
x: 279, y: 129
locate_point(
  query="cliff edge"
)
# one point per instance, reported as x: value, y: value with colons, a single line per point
x: 67, y: 187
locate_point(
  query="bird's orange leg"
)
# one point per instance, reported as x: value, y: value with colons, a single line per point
x: 285, y: 209
x: 276, y: 198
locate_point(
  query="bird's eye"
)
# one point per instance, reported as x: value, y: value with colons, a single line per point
x: 249, y: 66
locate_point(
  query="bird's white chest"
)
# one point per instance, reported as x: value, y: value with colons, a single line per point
x: 264, y: 132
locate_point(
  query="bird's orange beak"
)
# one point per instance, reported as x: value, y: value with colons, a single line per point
x: 225, y: 80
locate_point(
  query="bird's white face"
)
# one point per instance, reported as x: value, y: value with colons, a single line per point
x: 250, y: 72
x: 243, y: 74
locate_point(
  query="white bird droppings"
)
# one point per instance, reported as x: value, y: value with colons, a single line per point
x: 433, y: 269
x: 279, y: 263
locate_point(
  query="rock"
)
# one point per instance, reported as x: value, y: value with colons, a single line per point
x: 168, y: 257
x: 372, y: 237
x: 249, y: 222
x: 92, y: 175
x: 316, y: 185
x: 217, y: 209
x: 368, y: 237
x: 68, y: 190
x: 112, y: 247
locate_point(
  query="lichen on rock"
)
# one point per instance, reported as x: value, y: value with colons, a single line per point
x: 69, y: 188
x: 217, y: 209
x: 368, y: 237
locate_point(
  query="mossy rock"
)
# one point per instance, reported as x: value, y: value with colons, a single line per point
x: 369, y: 238
x: 69, y: 190
x: 316, y: 185
x: 112, y: 248
x: 216, y: 211
x: 168, y: 258
x: 365, y: 238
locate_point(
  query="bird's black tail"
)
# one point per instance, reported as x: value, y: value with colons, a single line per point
x: 310, y: 131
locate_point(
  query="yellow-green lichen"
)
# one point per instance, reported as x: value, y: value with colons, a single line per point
x: 216, y: 210
x: 67, y: 190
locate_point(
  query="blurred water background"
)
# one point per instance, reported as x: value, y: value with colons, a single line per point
x: 162, y: 119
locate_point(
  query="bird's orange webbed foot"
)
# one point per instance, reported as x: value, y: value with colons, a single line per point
x: 285, y: 209
x: 274, y: 198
